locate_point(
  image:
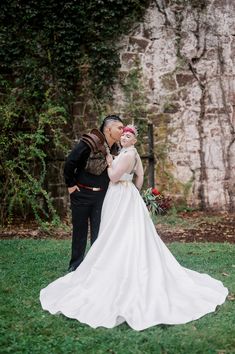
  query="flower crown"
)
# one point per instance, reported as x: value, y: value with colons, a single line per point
x: 131, y: 129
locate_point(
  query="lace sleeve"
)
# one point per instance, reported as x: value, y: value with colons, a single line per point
x: 139, y: 172
x: 122, y: 166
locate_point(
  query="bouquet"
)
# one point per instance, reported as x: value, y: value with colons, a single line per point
x: 156, y: 202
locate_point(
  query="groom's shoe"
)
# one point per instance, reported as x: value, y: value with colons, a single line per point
x: 72, y: 268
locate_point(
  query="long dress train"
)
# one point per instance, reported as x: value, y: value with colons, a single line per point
x: 130, y: 275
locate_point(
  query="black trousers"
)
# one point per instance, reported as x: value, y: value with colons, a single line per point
x: 85, y: 205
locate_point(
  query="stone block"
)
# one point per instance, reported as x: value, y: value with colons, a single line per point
x: 78, y: 108
x: 57, y: 190
x: 184, y: 79
x: 171, y: 107
x: 168, y: 82
x: 123, y: 74
x: 61, y: 205
x: 152, y: 109
x: 139, y: 43
x: 161, y: 118
x: 129, y: 57
x: 218, y: 110
x: 55, y: 172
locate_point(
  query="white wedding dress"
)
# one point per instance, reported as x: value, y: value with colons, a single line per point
x: 129, y: 275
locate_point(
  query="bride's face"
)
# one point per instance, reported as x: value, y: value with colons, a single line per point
x: 127, y: 139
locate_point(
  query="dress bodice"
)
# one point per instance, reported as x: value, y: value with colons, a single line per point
x: 126, y: 176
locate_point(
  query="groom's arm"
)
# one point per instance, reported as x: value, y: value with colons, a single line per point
x: 75, y: 159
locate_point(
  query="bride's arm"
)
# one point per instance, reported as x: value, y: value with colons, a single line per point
x: 122, y: 166
x: 139, y: 173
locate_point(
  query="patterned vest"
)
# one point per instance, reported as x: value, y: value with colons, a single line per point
x: 96, y: 163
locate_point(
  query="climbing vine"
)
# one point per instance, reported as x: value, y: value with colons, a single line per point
x: 44, y: 46
x: 135, y: 106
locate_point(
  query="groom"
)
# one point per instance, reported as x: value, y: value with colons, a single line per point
x: 86, y: 177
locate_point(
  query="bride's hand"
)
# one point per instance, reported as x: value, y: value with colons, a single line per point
x: 109, y: 159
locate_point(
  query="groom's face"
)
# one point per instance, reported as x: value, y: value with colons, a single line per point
x: 115, y: 130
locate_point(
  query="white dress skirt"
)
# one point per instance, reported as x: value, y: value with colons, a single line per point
x: 129, y: 275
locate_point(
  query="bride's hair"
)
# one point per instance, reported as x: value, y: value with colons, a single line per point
x: 131, y: 128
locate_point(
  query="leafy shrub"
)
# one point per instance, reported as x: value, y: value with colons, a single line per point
x: 44, y: 48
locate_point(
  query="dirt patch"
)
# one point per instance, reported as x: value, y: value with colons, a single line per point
x: 204, y: 228
x: 197, y: 227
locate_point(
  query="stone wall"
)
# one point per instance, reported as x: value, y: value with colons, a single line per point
x: 186, y: 56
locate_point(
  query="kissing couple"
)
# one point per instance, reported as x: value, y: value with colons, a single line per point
x: 128, y: 274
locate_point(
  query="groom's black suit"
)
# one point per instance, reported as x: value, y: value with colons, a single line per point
x: 87, y: 169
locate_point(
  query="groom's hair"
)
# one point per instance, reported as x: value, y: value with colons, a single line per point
x: 109, y: 119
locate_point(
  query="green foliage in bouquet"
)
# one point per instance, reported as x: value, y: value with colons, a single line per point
x: 156, y: 202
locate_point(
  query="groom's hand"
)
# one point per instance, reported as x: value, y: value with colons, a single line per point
x: 109, y: 159
x: 73, y: 189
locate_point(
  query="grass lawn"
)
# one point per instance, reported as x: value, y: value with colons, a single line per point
x: 29, y: 265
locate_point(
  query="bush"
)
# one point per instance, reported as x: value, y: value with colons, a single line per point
x: 45, y: 46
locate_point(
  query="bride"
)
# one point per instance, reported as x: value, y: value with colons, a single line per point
x: 129, y: 275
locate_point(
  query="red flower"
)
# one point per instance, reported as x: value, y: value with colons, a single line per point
x: 155, y: 191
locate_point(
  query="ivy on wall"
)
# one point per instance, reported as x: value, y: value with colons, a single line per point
x: 44, y: 46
